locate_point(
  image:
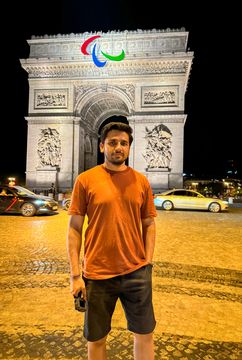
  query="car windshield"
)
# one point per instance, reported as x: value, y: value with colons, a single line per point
x: 181, y: 192
x: 23, y: 191
x: 168, y: 192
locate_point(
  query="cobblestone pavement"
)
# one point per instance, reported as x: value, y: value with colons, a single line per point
x: 197, y: 293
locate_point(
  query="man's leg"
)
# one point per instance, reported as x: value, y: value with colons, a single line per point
x: 143, y: 347
x: 102, y: 296
x: 97, y: 349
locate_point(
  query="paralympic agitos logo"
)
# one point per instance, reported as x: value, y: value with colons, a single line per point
x: 95, y: 59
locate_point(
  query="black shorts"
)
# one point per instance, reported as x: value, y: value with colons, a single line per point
x: 135, y: 293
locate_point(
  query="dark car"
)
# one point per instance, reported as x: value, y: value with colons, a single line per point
x: 19, y: 200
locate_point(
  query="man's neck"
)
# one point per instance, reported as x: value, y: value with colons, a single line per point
x: 114, y: 167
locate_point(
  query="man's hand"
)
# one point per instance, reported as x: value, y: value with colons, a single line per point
x: 78, y: 285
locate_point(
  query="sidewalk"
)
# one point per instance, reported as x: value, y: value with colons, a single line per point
x: 235, y: 204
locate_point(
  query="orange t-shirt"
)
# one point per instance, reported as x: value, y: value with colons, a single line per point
x: 114, y: 202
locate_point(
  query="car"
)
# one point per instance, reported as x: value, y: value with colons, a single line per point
x: 19, y: 200
x: 188, y: 199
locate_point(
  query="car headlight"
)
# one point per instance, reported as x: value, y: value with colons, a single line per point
x: 41, y: 202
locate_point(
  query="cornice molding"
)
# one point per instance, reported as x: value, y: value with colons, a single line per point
x: 146, y: 118
x: 110, y: 33
x: 52, y: 120
x: 84, y: 70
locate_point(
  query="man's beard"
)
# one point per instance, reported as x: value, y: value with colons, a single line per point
x: 117, y: 160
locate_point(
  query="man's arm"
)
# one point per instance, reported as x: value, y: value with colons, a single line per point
x: 148, y: 233
x: 74, y: 242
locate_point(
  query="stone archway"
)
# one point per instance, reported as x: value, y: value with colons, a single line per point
x: 93, y: 107
x: 70, y: 98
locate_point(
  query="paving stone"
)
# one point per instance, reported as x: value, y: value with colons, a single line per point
x: 197, y: 290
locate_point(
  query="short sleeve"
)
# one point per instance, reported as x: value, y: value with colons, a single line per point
x: 148, y: 207
x: 78, y: 204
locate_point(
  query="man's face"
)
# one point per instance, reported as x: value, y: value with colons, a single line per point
x: 116, y: 147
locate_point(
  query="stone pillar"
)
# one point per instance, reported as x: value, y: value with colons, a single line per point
x: 157, y: 150
x: 51, y: 152
x: 82, y: 150
x: 95, y: 149
x: 77, y: 148
x: 45, y: 176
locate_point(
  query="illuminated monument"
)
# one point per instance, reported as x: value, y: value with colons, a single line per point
x: 78, y: 81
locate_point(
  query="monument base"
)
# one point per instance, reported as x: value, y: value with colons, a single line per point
x: 45, y: 177
x: 162, y: 179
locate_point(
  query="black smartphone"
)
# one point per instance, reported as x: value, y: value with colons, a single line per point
x: 79, y: 302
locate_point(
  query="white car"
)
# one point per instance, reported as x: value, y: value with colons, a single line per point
x: 188, y: 199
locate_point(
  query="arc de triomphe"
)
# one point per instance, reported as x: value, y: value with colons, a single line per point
x: 70, y: 98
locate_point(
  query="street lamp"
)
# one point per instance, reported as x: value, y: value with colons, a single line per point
x: 11, y: 181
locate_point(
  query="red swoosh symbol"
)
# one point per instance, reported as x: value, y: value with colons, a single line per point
x: 86, y: 43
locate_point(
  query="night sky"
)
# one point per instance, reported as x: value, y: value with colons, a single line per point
x: 212, y: 130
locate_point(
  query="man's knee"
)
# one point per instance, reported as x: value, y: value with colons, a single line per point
x: 143, y: 337
x: 97, y: 343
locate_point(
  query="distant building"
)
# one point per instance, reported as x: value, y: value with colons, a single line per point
x: 218, y: 187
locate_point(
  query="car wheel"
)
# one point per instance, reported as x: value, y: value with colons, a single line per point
x: 167, y: 205
x: 67, y: 204
x: 214, y: 207
x: 28, y: 209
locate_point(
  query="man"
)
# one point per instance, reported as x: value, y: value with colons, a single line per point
x: 118, y: 248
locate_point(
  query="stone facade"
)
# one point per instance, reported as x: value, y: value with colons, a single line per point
x: 70, y: 98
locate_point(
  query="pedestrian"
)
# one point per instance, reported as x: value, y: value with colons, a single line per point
x: 52, y: 190
x: 118, y: 247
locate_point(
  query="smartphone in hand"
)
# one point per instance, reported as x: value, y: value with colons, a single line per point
x: 79, y: 302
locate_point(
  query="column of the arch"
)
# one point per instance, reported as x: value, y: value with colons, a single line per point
x: 95, y: 150
x: 131, y: 121
x: 78, y: 148
x: 158, y: 178
x: 176, y: 173
x: 41, y: 176
x: 81, y: 165
x: 31, y: 157
x: 163, y: 177
x: 90, y: 151
x: 69, y: 131
x: 68, y: 128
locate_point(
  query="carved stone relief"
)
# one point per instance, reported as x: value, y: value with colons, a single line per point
x: 153, y: 96
x: 49, y: 148
x: 51, y: 99
x: 129, y: 89
x: 80, y: 90
x: 158, y: 148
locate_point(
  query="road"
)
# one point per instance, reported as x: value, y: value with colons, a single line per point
x: 196, y: 280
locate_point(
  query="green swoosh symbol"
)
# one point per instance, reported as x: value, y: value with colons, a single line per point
x: 114, y: 58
